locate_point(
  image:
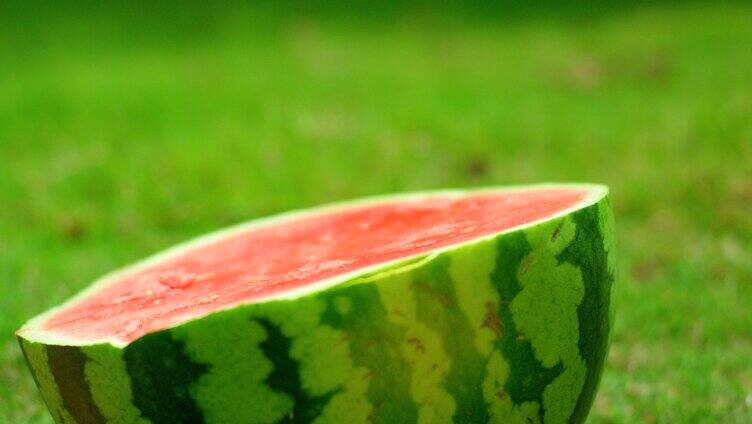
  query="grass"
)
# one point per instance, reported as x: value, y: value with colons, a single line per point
x: 121, y: 134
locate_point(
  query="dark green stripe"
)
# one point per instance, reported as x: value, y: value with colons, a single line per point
x: 31, y: 368
x: 161, y: 374
x: 56, y: 415
x: 587, y: 252
x: 67, y: 364
x: 377, y: 346
x: 285, y: 377
x: 437, y: 308
x: 527, y: 376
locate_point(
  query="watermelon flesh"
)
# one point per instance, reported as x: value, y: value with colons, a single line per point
x: 481, y: 306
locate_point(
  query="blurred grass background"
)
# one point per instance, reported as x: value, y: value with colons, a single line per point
x: 126, y: 129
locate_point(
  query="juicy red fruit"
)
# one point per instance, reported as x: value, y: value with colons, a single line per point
x: 271, y: 259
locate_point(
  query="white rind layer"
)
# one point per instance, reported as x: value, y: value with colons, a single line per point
x: 32, y: 330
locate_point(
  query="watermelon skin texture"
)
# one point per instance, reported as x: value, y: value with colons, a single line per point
x: 512, y: 328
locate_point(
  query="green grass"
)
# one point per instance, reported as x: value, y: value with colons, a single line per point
x: 121, y: 135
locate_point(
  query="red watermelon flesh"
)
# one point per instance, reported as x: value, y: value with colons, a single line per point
x: 281, y: 256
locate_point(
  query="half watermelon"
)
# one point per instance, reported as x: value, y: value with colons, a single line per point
x: 453, y: 306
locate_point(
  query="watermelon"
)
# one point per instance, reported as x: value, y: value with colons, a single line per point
x: 478, y: 306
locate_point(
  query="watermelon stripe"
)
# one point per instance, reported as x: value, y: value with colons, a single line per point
x: 422, y: 348
x: 588, y: 253
x: 34, y: 373
x: 67, y: 364
x: 325, y: 358
x: 36, y: 356
x: 437, y: 308
x: 545, y: 311
x: 528, y: 377
x: 161, y: 374
x: 110, y: 385
x: 33, y: 370
x: 229, y: 344
x: 375, y: 343
x: 285, y: 377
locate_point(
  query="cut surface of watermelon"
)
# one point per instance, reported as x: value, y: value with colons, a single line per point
x: 275, y: 257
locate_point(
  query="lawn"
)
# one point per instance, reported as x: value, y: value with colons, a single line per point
x: 121, y: 134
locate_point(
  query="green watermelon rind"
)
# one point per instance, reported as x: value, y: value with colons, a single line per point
x: 511, y: 327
